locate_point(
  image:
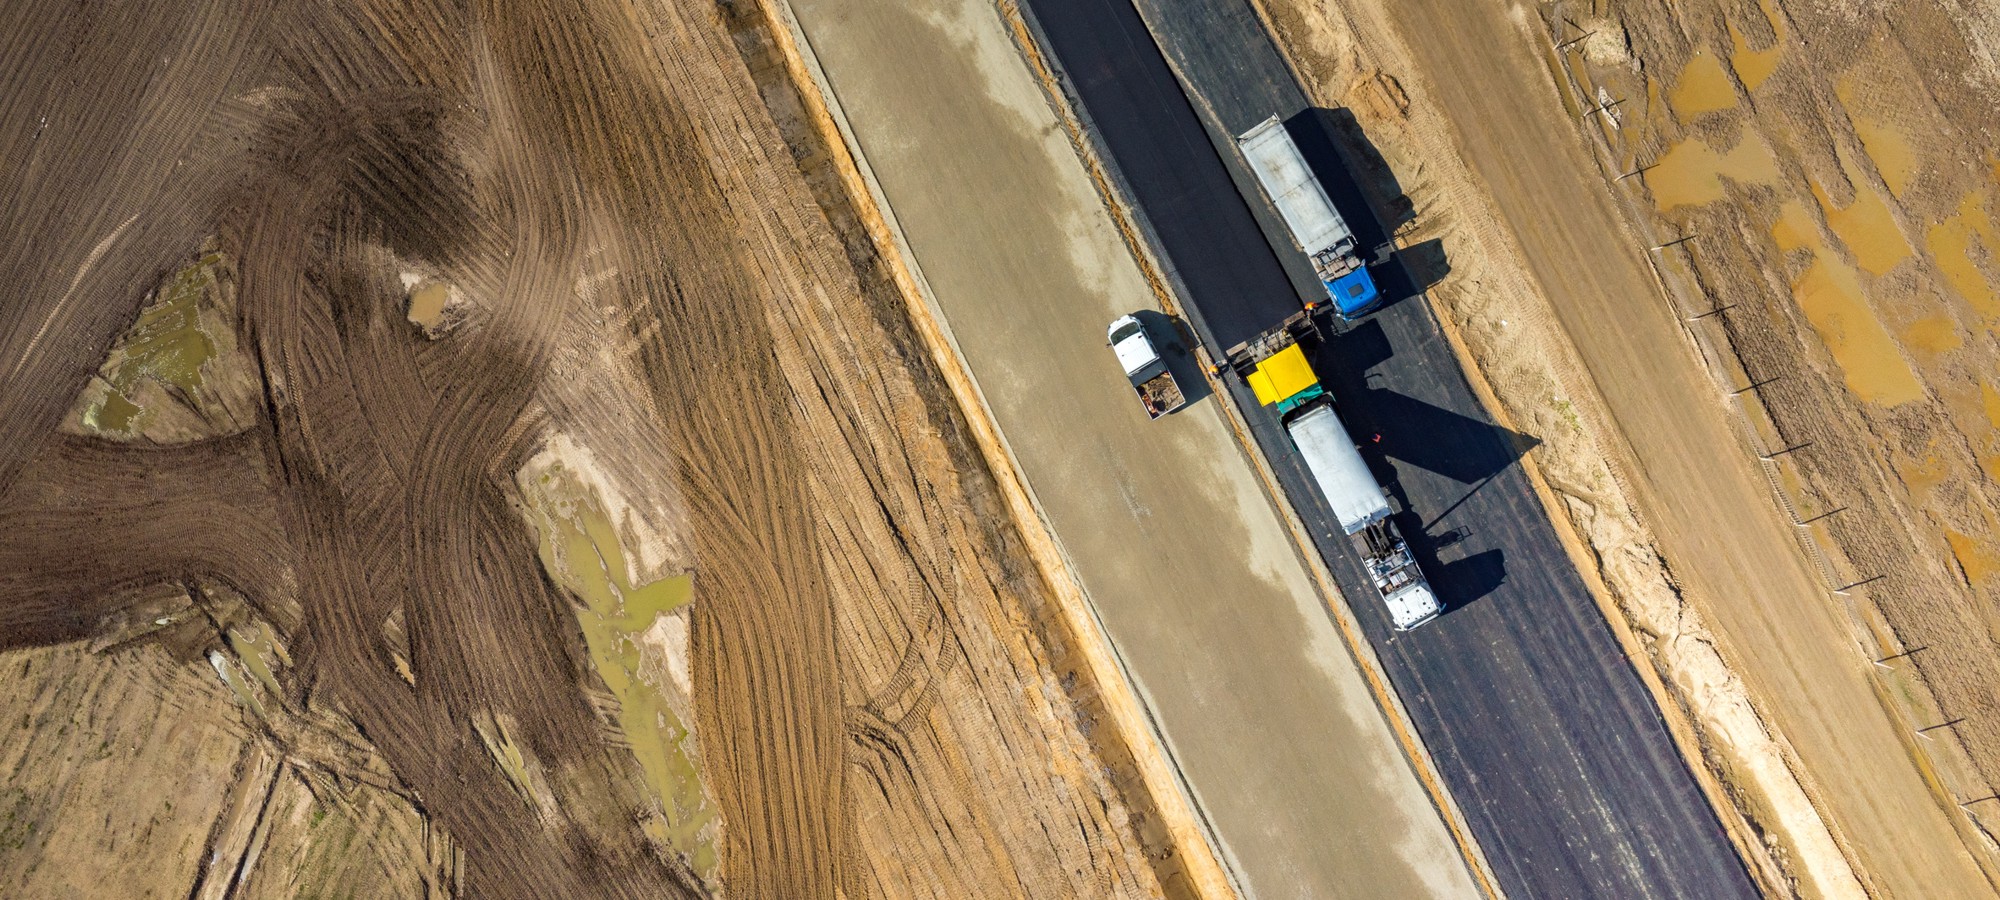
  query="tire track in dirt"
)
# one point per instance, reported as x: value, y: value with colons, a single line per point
x: 97, y: 150
x: 862, y: 614
x: 71, y: 594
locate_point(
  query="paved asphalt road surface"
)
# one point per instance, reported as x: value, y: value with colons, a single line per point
x: 1543, y: 731
x: 1189, y: 566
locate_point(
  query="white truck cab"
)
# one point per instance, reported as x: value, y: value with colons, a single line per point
x: 1144, y: 367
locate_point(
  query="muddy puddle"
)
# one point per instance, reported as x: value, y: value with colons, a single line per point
x: 1702, y: 87
x: 1830, y: 295
x: 1754, y: 66
x: 427, y: 304
x: 233, y: 678
x: 1692, y: 172
x: 1933, y: 335
x: 1951, y: 244
x: 1924, y: 475
x: 523, y: 771
x: 168, y: 347
x: 1989, y: 461
x: 1975, y: 555
x: 1888, y: 147
x: 259, y: 653
x: 1867, y: 228
x: 581, y: 549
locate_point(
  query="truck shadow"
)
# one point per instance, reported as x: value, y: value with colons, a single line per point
x: 1462, y: 581
x: 1390, y: 425
x: 1365, y: 190
x: 1416, y: 268
x: 1176, y: 341
x: 1459, y: 584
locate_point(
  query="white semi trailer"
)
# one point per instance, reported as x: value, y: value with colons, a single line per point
x: 1317, y: 227
x: 1363, y: 512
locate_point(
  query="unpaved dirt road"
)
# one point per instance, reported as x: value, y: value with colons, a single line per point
x: 591, y: 524
x: 1182, y: 555
x: 1692, y: 479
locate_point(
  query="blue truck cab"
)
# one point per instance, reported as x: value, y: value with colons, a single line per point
x: 1354, y: 294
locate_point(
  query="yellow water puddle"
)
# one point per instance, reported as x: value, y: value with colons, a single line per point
x: 168, y: 345
x: 1691, y: 172
x: 1795, y: 228
x: 1891, y: 151
x: 1933, y: 335
x: 1753, y: 66
x: 427, y: 303
x: 1990, y: 461
x: 1951, y: 242
x: 1867, y: 228
x: 1887, y: 146
x: 580, y: 548
x: 1830, y: 295
x: 1703, y: 87
x: 1975, y: 555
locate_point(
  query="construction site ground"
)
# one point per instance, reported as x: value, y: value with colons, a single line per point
x: 478, y: 450
x: 1190, y: 567
x: 1603, y: 178
x: 1543, y: 729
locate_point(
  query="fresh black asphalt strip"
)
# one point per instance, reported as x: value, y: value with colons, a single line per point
x: 1544, y: 733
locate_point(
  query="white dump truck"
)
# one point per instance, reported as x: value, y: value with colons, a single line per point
x: 1362, y: 510
x: 1145, y: 367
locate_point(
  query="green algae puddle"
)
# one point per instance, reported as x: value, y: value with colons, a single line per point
x: 580, y: 548
x: 257, y: 651
x: 169, y: 345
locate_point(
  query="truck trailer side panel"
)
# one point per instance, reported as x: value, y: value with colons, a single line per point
x: 1315, y: 223
x: 1337, y: 467
x: 1293, y: 188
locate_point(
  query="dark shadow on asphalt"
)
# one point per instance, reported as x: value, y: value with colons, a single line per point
x: 1390, y: 425
x: 1412, y: 270
x: 1460, y: 582
x: 1436, y: 439
x: 1361, y: 180
x: 1175, y: 340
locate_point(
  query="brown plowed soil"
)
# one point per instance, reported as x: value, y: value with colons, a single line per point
x: 1734, y: 262
x: 1834, y: 168
x: 312, y: 643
